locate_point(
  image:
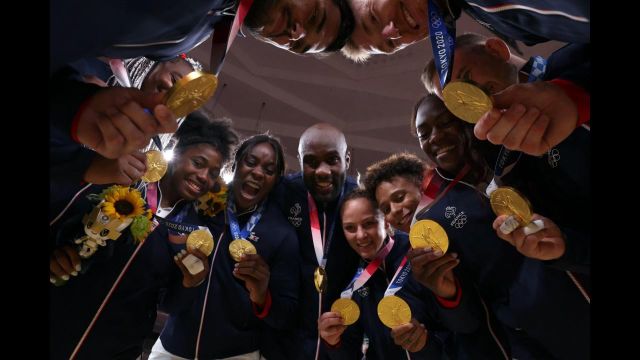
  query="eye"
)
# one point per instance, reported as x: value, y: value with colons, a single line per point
x: 104, y: 232
x: 349, y: 228
x: 197, y: 163
x: 370, y: 224
x: 398, y: 198
x: 313, y: 163
x: 334, y: 160
x: 385, y: 210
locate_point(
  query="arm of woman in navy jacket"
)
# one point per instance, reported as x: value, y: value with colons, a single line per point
x: 179, y: 298
x: 67, y: 95
x: 66, y: 177
x: 577, y: 254
x: 281, y: 306
x: 460, y: 313
x: 350, y: 345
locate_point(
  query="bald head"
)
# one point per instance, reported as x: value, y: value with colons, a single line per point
x: 324, y: 161
x: 322, y: 134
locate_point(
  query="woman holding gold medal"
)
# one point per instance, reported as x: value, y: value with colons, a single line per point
x: 412, y: 323
x: 128, y: 315
x: 505, y: 278
x: 89, y: 170
x: 253, y: 283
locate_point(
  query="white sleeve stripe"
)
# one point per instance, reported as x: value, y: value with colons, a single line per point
x: 500, y: 8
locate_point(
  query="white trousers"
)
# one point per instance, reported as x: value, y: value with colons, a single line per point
x: 158, y: 352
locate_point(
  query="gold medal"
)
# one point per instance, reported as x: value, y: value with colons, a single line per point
x: 239, y: 247
x: 156, y: 166
x: 201, y: 240
x: 320, y: 279
x: 508, y: 201
x: 348, y: 309
x: 466, y: 101
x: 191, y: 92
x: 393, y: 311
x: 428, y: 233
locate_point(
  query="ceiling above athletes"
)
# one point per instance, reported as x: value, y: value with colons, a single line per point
x: 264, y: 88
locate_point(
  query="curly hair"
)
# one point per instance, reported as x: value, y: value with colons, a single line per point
x: 406, y: 165
x: 200, y: 128
x: 249, y: 143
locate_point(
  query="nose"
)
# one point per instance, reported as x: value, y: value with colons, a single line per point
x: 323, y: 170
x: 390, y: 31
x: 164, y: 83
x: 203, y: 175
x: 396, y: 211
x: 257, y: 173
x: 435, y: 135
x: 297, y: 32
x: 360, y: 233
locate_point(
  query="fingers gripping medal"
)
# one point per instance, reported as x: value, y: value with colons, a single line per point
x: 348, y: 309
x: 392, y: 310
x: 508, y: 201
x: 428, y: 233
x: 202, y: 240
x: 187, y: 95
x: 239, y: 247
x: 466, y: 101
x: 156, y: 166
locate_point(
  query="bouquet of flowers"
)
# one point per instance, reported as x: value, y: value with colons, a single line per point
x: 118, y: 207
x: 215, y: 200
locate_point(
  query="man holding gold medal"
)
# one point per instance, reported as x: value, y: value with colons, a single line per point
x: 311, y: 201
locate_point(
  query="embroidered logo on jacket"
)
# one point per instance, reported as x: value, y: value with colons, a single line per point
x: 294, y: 219
x: 253, y: 237
x: 363, y: 291
x: 553, y: 157
x: 457, y: 221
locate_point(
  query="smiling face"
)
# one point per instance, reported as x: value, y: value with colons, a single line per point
x: 192, y: 172
x: 255, y: 176
x: 300, y: 26
x: 324, y: 162
x: 386, y: 26
x: 398, y: 200
x: 164, y: 75
x: 363, y: 227
x: 441, y: 135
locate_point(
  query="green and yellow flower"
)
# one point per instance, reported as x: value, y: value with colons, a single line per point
x: 214, y: 201
x: 122, y: 202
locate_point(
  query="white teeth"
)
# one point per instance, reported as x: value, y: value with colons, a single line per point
x: 194, y: 185
x: 407, y: 16
x: 444, y: 150
x: 253, y: 186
